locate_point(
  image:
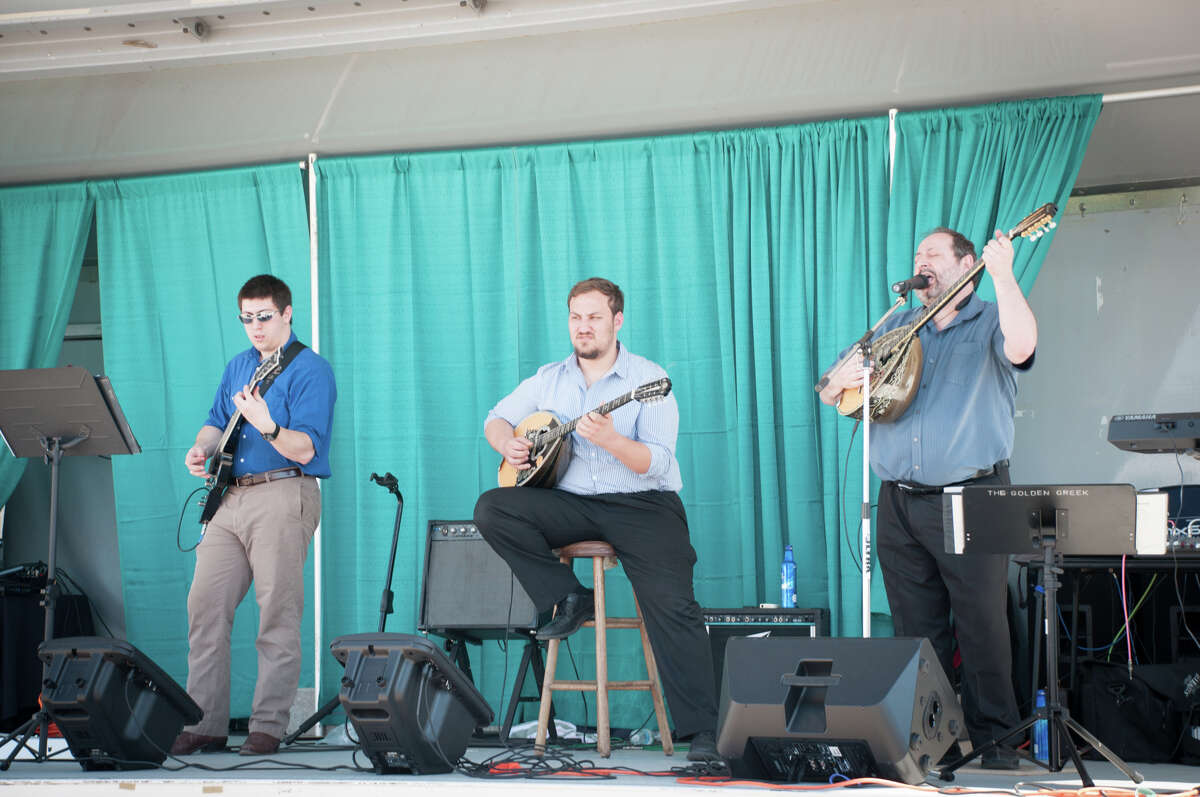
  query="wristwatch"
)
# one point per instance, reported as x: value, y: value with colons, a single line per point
x: 271, y: 435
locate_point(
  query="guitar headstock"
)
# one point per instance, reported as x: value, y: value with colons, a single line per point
x: 1036, y: 223
x: 652, y: 391
x: 269, y: 364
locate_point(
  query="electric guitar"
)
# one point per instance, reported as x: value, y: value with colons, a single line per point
x: 551, y: 450
x: 220, y: 466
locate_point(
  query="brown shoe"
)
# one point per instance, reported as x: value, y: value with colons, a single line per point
x: 258, y: 743
x: 187, y: 743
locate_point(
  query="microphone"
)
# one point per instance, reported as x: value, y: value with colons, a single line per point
x: 917, y: 282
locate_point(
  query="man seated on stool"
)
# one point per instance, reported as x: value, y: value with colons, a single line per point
x: 621, y: 486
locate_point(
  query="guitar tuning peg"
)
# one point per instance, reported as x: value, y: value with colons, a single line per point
x: 1053, y: 224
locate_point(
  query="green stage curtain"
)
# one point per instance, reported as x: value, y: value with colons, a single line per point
x: 744, y: 259
x: 173, y: 252
x: 43, y: 231
x: 985, y: 168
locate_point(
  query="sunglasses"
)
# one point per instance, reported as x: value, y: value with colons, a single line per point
x: 262, y: 316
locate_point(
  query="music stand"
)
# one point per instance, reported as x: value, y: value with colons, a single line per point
x: 1079, y: 519
x: 51, y: 413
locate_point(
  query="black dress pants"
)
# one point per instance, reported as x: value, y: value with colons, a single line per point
x: 649, y: 532
x: 925, y: 585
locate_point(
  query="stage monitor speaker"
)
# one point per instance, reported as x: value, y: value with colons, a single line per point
x: 468, y: 590
x: 796, y: 709
x: 115, y: 707
x: 412, y: 709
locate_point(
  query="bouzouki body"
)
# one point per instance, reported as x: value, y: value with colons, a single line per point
x: 895, y: 381
x: 548, y: 460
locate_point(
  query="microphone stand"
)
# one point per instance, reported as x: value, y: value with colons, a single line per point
x: 865, y: 551
x: 391, y: 484
x: 863, y: 345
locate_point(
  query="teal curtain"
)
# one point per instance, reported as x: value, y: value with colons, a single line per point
x: 749, y: 258
x: 43, y: 231
x: 744, y: 259
x: 173, y: 252
x: 985, y: 168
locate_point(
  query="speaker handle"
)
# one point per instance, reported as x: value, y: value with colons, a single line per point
x: 788, y: 679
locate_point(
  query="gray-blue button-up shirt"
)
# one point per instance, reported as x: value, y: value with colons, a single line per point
x: 962, y: 418
x: 560, y: 388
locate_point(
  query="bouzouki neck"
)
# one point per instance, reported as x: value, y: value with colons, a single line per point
x: 1032, y: 226
x: 604, y: 409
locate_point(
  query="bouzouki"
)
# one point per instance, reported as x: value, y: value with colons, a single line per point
x: 897, y: 352
x: 220, y: 465
x: 551, y: 450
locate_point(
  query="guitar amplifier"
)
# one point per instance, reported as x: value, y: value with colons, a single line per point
x: 724, y: 624
x: 468, y: 590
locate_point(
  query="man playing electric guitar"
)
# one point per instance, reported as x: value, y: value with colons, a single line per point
x: 263, y: 526
x: 620, y: 485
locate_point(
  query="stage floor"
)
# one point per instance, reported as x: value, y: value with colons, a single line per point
x: 312, y: 769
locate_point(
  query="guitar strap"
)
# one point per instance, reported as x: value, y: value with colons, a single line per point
x: 288, y: 355
x: 213, y: 500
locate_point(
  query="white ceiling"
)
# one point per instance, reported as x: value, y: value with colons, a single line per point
x: 136, y: 94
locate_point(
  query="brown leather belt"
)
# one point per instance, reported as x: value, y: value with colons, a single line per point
x: 251, y: 479
x: 916, y: 488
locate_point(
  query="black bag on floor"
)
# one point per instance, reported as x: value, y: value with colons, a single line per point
x: 1143, y: 719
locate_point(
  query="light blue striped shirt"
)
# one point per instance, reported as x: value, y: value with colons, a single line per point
x: 560, y: 388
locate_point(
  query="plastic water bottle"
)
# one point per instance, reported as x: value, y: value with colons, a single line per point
x: 1041, y: 738
x: 641, y: 737
x: 787, y: 579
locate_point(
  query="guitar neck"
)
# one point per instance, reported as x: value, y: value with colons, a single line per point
x: 230, y: 428
x: 604, y: 409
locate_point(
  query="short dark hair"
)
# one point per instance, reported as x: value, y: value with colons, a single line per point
x: 962, y: 247
x: 267, y: 286
x: 616, y: 299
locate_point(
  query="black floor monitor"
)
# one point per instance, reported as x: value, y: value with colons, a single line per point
x: 412, y: 709
x: 114, y: 706
x: 797, y: 709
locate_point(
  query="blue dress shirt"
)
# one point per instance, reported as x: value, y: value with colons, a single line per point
x: 961, y: 420
x: 301, y: 399
x: 560, y: 388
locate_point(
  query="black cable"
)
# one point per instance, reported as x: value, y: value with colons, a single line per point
x: 503, y: 645
x: 845, y: 477
x: 65, y: 576
x: 179, y: 527
x: 131, y: 676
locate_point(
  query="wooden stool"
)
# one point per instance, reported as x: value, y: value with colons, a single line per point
x: 603, y: 556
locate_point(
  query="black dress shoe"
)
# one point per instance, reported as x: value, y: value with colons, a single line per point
x: 1000, y: 757
x: 573, y: 611
x: 703, y: 747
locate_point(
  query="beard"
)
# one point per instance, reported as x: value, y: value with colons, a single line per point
x: 588, y: 354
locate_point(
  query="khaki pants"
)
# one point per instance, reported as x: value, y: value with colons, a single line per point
x: 260, y: 533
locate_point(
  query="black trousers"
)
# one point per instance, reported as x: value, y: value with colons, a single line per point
x: 925, y: 585
x: 649, y: 532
